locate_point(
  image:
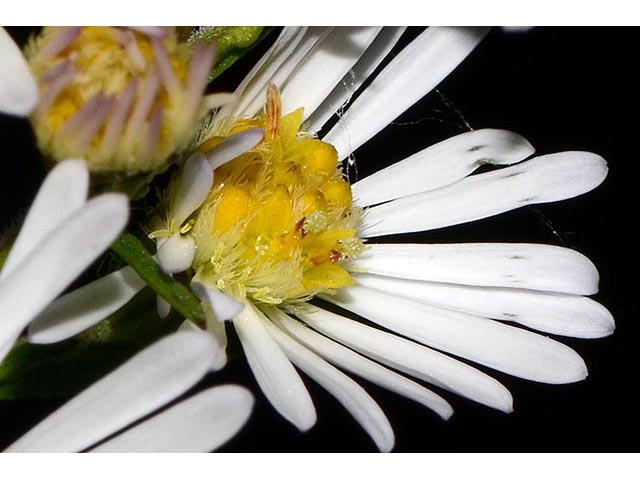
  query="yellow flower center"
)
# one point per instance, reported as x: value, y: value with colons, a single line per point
x: 278, y: 225
x: 122, y: 100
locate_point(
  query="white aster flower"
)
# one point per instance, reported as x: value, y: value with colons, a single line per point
x: 437, y: 304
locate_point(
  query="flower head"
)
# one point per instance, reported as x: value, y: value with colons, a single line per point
x: 438, y: 299
x: 278, y: 225
x: 260, y: 213
x: 125, y: 99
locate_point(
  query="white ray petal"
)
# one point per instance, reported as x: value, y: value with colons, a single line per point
x: 560, y: 314
x: 143, y: 384
x: 325, y: 66
x: 352, y: 81
x: 85, y: 306
x: 351, y: 395
x: 502, y: 347
x: 411, y: 358
x: 258, y: 77
x: 349, y: 360
x: 199, y: 424
x: 218, y: 334
x: 540, y: 180
x: 162, y: 307
x: 222, y: 306
x: 218, y: 308
x: 57, y: 261
x: 234, y: 146
x: 176, y: 253
x: 63, y: 192
x: 189, y: 326
x: 195, y: 182
x: 311, y: 38
x: 277, y: 378
x: 217, y: 331
x: 413, y: 73
x: 214, y: 101
x: 515, y: 265
x: 515, y: 28
x: 442, y: 164
x: 18, y: 88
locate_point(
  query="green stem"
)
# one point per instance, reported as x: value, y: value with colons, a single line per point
x: 132, y: 251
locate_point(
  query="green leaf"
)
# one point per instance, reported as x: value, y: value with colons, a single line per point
x: 233, y: 43
x: 132, y: 251
x: 4, y: 253
x: 61, y: 369
x: 6, y: 242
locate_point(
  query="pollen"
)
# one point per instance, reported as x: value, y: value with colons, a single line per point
x: 315, y: 222
x: 278, y: 225
x: 123, y: 99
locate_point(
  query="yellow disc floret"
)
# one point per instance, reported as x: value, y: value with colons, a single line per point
x: 123, y: 99
x: 278, y: 225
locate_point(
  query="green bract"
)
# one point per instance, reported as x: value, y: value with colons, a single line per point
x: 233, y: 43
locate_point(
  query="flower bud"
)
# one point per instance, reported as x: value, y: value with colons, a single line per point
x: 123, y: 99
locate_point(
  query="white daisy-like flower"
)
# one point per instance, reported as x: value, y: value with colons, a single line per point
x: 279, y: 225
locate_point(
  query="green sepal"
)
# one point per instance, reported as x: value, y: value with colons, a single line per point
x: 134, y: 186
x: 132, y: 251
x: 233, y: 43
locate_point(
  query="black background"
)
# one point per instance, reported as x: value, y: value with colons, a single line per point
x: 563, y: 89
